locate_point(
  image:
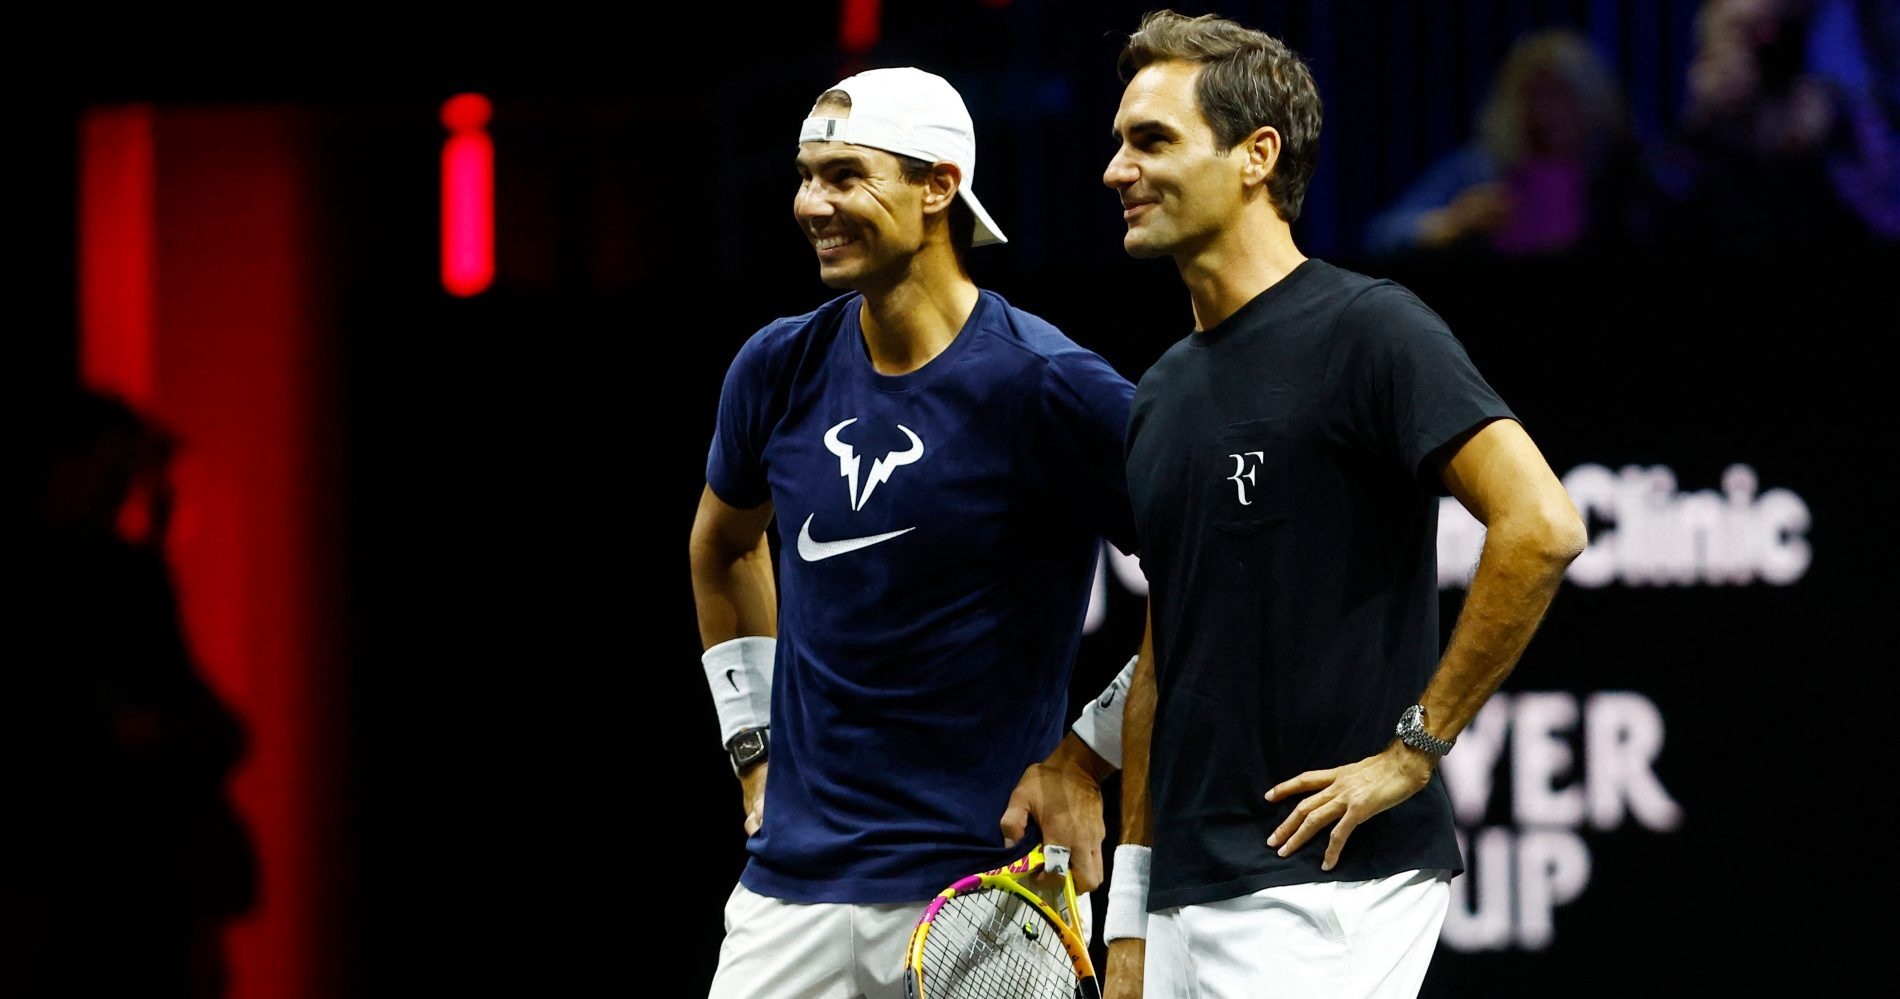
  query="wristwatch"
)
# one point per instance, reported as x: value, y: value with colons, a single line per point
x: 747, y: 748
x: 1411, y: 731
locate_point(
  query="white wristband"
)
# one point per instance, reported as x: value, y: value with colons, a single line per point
x: 1100, y: 725
x: 740, y: 675
x: 1127, y: 915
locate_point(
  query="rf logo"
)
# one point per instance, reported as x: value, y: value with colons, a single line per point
x: 1244, y: 472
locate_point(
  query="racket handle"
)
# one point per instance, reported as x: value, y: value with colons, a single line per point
x: 1055, y: 860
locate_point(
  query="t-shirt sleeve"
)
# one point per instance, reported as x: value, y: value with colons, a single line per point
x: 1085, y: 405
x: 1413, y: 387
x: 735, y: 463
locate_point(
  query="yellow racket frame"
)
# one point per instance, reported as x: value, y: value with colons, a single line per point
x: 1008, y: 878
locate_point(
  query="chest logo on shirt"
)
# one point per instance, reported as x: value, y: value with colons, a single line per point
x: 813, y: 550
x: 1244, y: 472
x: 881, y: 468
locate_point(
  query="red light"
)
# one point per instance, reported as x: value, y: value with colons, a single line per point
x: 201, y: 304
x: 466, y: 113
x: 468, y: 197
x: 857, y: 25
x: 117, y: 252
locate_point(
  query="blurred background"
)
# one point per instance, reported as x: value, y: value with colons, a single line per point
x: 370, y: 369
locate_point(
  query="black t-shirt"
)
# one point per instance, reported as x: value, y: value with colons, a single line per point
x: 1284, y: 472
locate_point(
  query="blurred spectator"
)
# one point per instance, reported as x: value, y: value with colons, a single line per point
x: 1786, y: 145
x: 130, y: 860
x: 1551, y: 169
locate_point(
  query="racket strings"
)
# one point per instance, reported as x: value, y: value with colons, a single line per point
x: 991, y: 944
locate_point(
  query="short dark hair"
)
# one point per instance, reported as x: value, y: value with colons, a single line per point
x: 1248, y: 79
x: 915, y: 171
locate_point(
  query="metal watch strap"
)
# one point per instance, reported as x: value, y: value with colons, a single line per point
x: 1411, y: 731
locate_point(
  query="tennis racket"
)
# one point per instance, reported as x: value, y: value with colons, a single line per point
x: 993, y: 935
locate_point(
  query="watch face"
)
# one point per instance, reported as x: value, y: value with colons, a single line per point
x: 748, y: 746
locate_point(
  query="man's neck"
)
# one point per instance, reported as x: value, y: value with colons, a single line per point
x: 1247, y: 259
x: 911, y: 322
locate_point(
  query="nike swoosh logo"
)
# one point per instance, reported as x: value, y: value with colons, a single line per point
x: 735, y: 683
x: 816, y: 551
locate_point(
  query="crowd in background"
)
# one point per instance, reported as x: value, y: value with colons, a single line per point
x: 1788, y: 141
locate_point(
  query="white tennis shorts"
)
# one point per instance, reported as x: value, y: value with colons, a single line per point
x: 776, y: 949
x: 1329, y: 940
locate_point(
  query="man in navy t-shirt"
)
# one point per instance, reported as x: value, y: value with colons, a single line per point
x: 941, y: 467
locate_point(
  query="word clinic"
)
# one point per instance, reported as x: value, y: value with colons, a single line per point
x: 1646, y: 533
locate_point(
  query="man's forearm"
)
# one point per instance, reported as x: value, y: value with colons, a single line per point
x: 737, y: 629
x: 1137, y: 733
x: 1518, y: 575
x: 736, y: 606
x: 734, y: 597
x: 1125, y: 924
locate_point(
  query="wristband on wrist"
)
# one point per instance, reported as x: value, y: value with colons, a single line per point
x: 1100, y: 724
x: 739, y: 672
x: 1127, y: 915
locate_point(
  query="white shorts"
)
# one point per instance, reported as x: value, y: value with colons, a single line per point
x: 820, y: 950
x: 1328, y: 940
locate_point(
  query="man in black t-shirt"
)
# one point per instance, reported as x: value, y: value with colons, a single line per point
x: 1285, y: 461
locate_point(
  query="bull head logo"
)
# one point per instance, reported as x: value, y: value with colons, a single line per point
x: 881, y: 468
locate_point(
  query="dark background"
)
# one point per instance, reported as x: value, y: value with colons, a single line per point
x: 534, y: 802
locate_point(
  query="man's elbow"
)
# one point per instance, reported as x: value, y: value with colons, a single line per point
x: 699, y: 549
x: 1560, y: 534
x: 708, y: 552
x: 1548, y: 532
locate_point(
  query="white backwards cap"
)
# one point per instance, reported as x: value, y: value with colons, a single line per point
x: 909, y: 112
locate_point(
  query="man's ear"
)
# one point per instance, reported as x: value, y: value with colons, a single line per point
x: 940, y: 187
x: 1263, y: 154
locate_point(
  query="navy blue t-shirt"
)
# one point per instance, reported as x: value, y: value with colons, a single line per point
x: 938, y: 534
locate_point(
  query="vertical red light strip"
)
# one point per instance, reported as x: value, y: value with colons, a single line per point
x: 234, y: 363
x: 242, y: 375
x: 468, y: 197
x: 115, y: 248
x: 858, y: 25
